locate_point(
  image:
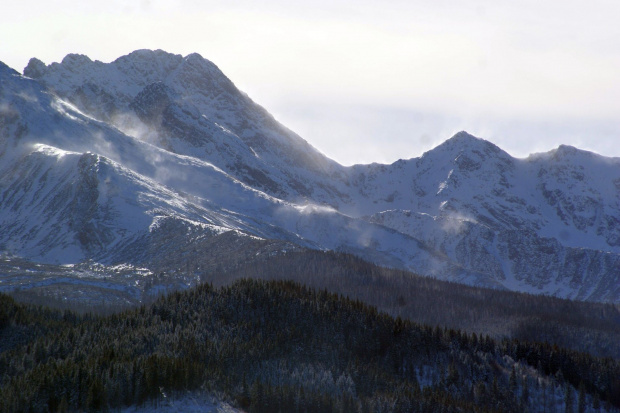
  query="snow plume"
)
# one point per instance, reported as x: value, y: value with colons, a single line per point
x: 70, y: 111
x: 28, y: 97
x: 454, y: 223
x: 316, y: 209
x: 131, y: 125
x: 367, y: 239
x: 102, y: 146
x: 50, y: 150
x: 169, y: 174
x: 154, y: 164
x: 7, y: 110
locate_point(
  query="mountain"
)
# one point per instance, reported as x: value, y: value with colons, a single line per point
x: 550, y: 221
x: 159, y: 158
x: 187, y: 106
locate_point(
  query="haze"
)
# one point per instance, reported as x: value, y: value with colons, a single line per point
x: 367, y: 81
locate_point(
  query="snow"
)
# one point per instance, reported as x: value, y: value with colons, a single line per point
x: 222, y: 164
x: 51, y: 151
x: 189, y: 403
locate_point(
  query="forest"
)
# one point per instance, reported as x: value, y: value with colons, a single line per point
x: 584, y: 326
x: 279, y: 346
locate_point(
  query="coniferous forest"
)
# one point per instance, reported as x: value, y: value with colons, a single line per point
x: 583, y: 326
x: 278, y: 346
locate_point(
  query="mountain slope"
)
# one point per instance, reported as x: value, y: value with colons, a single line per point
x: 104, y: 193
x: 545, y: 224
x: 188, y: 106
x: 95, y: 156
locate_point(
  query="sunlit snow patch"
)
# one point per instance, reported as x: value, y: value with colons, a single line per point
x: 52, y: 151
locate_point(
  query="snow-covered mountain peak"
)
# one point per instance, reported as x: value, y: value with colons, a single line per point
x: 76, y: 61
x: 35, y: 68
x: 162, y: 57
x: 571, y: 155
x: 464, y: 160
x: 198, y: 112
x: 204, y: 84
x: 463, y: 137
x: 152, y: 65
x: 72, y: 62
x: 464, y: 143
x: 171, y: 139
x: 202, y: 65
x: 466, y: 153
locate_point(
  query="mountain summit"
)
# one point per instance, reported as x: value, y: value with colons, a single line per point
x: 150, y: 158
x: 186, y: 105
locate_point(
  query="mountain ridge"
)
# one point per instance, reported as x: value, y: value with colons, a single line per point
x: 206, y: 155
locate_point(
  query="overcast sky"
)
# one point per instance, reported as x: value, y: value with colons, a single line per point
x: 369, y: 81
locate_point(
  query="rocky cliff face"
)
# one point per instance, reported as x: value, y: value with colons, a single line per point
x: 95, y: 157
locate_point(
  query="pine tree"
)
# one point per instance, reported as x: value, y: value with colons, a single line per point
x: 525, y: 393
x: 581, y: 404
x: 513, y: 381
x: 568, y: 399
x: 63, y: 407
x: 96, y: 399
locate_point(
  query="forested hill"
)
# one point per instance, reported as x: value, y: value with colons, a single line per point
x: 278, y: 346
x: 583, y: 326
x: 578, y: 325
